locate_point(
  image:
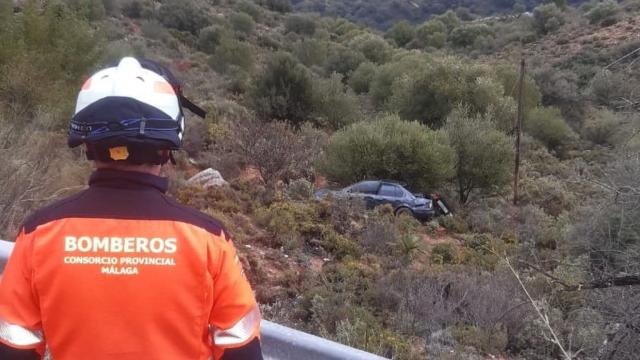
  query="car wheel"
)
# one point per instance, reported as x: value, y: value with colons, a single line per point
x: 403, y: 211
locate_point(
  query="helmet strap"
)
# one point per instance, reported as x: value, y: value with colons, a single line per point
x: 137, y: 155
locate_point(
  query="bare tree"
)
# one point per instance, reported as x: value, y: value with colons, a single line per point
x: 278, y: 151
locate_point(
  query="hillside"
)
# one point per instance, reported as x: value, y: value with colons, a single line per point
x: 383, y: 14
x: 298, y: 101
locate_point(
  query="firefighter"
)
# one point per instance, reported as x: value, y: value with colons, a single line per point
x: 121, y: 271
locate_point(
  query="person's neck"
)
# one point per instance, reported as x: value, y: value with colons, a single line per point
x: 143, y: 168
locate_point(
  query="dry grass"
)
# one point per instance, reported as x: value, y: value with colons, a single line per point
x: 36, y: 168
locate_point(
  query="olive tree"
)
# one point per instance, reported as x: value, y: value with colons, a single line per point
x: 484, y: 155
x: 547, y: 125
x: 335, y: 105
x: 547, y: 18
x: 432, y: 33
x: 284, y: 90
x: 431, y: 93
x: 373, y: 47
x: 182, y: 15
x: 401, y: 33
x: 389, y: 148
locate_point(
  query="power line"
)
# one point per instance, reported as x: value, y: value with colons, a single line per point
x: 622, y: 58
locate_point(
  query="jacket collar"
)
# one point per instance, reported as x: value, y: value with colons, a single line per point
x: 128, y: 180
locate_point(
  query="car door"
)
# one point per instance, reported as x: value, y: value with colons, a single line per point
x: 366, y: 190
x: 389, y: 194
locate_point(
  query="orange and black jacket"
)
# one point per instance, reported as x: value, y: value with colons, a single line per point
x: 121, y: 271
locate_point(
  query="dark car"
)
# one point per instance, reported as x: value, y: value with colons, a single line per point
x: 380, y: 192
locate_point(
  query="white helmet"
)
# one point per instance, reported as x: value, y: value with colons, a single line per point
x: 137, y: 104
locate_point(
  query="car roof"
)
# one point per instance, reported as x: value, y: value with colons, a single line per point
x: 394, y: 182
x: 381, y: 182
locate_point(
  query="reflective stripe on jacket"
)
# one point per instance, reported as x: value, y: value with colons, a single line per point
x: 120, y: 271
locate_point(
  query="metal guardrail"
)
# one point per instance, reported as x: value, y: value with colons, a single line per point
x: 5, y: 250
x: 278, y: 342
x: 283, y: 343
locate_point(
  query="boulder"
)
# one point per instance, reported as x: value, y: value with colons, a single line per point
x: 208, y: 178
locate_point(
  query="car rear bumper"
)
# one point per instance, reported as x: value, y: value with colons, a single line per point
x: 423, y: 214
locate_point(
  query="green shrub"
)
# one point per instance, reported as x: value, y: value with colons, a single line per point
x: 211, y: 37
x: 154, y: 30
x: 230, y: 53
x: 338, y: 245
x: 430, y: 93
x: 379, y: 235
x: 547, y: 125
x: 482, y: 251
x: 300, y: 189
x: 484, y: 154
x: 249, y: 8
x: 489, y: 341
x: 480, y: 242
x: 286, y: 221
x: 611, y: 88
x: 388, y: 148
x: 387, y: 74
x: 362, y: 77
x: 453, y: 223
x: 604, y: 14
x: 373, y: 47
x: 467, y: 35
x: 311, y: 51
x: 343, y: 60
x: 445, y: 254
x: 284, y: 90
x: 419, y: 96
x: 282, y: 6
x: 601, y: 126
x: 408, y: 246
x: 334, y: 103
x: 41, y: 60
x: 372, y: 336
x: 432, y: 33
x: 548, y: 18
x: 537, y: 229
x: 137, y: 9
x: 238, y: 81
x: 92, y: 10
x: 449, y: 19
x: 464, y: 14
x: 182, y: 15
x: 401, y: 33
x: 342, y: 213
x: 300, y: 24
x: 558, y: 87
x: 242, y: 23
x: 273, y: 43
x: 549, y: 193
x: 504, y: 114
x: 220, y: 198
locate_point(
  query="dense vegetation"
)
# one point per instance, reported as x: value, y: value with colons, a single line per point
x: 295, y: 99
x: 383, y: 14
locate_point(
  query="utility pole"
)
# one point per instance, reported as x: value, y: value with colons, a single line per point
x: 518, y: 131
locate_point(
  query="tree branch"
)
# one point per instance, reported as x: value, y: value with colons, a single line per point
x: 566, y: 355
x: 552, y: 277
x: 613, y: 281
